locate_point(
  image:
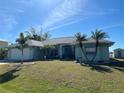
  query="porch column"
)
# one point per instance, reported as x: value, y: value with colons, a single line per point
x: 60, y: 51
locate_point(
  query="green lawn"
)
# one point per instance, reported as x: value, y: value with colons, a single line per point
x: 60, y: 77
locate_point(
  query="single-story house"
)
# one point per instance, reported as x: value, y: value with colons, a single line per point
x: 64, y: 48
x: 119, y: 53
x: 3, y: 43
x: 102, y: 54
x: 111, y: 54
x: 3, y: 50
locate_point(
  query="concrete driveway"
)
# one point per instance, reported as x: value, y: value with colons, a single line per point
x: 3, y: 63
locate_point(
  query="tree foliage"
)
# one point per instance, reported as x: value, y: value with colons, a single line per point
x: 80, y: 38
x: 21, y: 41
x: 3, y: 53
x: 98, y: 35
x: 34, y: 34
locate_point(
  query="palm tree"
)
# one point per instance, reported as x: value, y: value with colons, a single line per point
x: 21, y: 42
x: 80, y: 38
x: 98, y: 35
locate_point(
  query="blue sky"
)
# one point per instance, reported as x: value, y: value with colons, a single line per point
x: 63, y: 17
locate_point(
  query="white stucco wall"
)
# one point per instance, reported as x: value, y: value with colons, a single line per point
x: 60, y: 51
x: 122, y: 54
x: 102, y: 55
x: 3, y: 44
x: 15, y: 54
x: 116, y: 55
x: 78, y: 53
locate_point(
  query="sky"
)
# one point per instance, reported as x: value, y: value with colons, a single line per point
x: 63, y: 18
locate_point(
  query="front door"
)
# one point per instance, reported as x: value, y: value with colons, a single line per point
x: 67, y: 52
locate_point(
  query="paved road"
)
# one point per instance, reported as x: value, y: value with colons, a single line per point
x: 3, y: 63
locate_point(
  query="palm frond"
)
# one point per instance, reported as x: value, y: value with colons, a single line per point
x: 80, y: 37
x: 99, y: 34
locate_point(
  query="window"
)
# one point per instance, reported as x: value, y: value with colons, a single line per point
x: 90, y: 50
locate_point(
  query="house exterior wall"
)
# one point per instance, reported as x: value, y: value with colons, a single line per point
x: 63, y: 50
x: 115, y: 54
x: 15, y: 54
x: 119, y: 53
x: 122, y: 53
x: 78, y: 53
x: 111, y: 54
x: 102, y: 55
x: 60, y: 51
x: 3, y: 44
x: 37, y: 53
x: 70, y: 52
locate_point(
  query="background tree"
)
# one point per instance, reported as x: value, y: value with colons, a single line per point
x: 3, y: 53
x: 80, y: 38
x: 33, y: 34
x: 46, y: 35
x: 48, y: 51
x: 97, y: 36
x: 21, y: 44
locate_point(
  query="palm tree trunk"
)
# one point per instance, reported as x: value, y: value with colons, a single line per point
x: 96, y: 50
x: 84, y: 53
x: 22, y: 56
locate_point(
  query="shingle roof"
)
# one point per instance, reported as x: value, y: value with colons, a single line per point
x: 57, y: 41
x: 30, y: 43
x: 63, y: 40
x: 101, y: 41
x: 35, y: 43
x: 2, y: 40
x: 119, y: 49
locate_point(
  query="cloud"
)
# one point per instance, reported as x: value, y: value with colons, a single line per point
x: 9, y: 16
x: 36, y: 3
x: 25, y: 2
x: 16, y: 10
x: 66, y: 24
x: 67, y: 9
x: 112, y: 26
x: 70, y: 9
x: 7, y: 22
x: 109, y: 26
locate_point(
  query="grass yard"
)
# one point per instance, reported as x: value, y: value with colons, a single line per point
x: 61, y: 77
